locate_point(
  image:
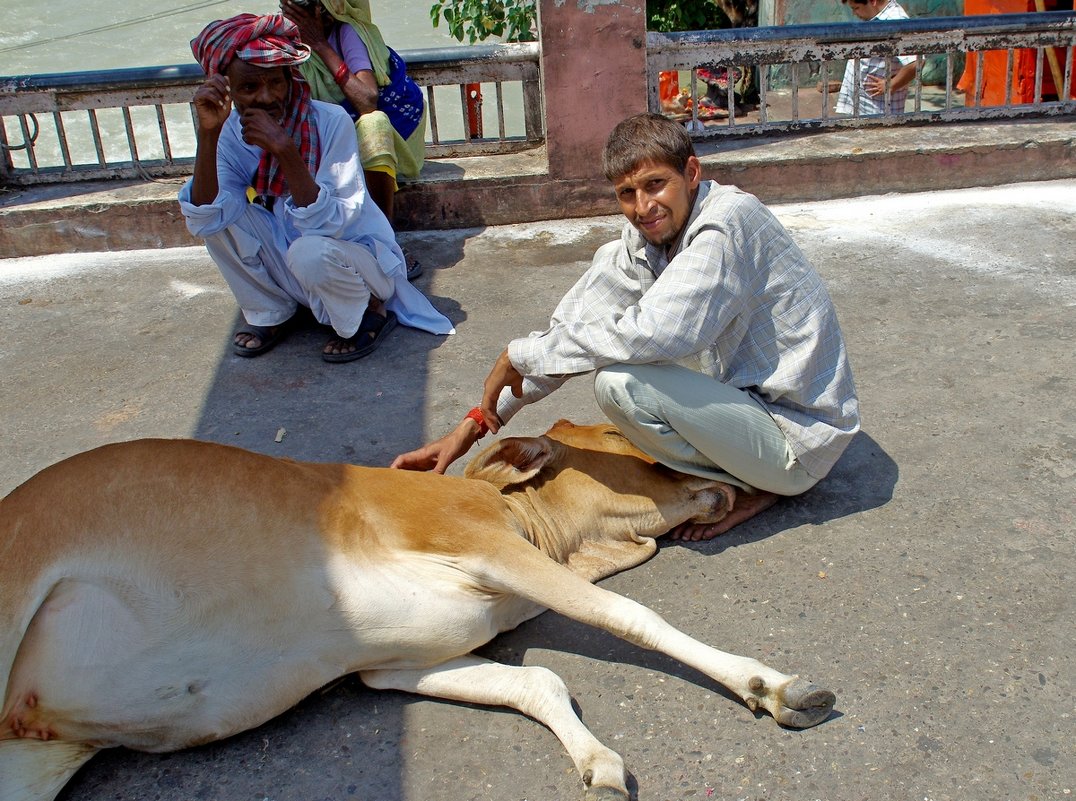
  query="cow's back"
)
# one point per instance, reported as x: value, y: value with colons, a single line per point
x: 156, y: 496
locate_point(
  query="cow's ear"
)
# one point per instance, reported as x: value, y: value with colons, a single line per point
x: 513, y: 460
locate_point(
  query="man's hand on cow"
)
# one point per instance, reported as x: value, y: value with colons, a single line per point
x: 440, y: 453
x: 213, y: 103
x: 502, y: 375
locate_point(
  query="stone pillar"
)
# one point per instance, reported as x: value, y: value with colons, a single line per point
x: 593, y: 65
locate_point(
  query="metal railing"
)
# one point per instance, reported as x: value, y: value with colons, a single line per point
x: 135, y: 123
x: 796, y: 68
x: 138, y: 122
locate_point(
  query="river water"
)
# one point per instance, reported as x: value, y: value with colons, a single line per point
x: 86, y: 35
x: 77, y: 35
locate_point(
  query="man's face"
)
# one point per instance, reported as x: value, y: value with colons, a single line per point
x: 865, y: 10
x: 657, y: 199
x: 265, y: 88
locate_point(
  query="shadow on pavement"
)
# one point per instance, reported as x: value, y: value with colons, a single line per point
x: 361, y: 412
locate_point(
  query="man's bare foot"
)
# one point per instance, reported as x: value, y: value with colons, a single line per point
x: 747, y: 506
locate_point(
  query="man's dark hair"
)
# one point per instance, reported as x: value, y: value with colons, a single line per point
x: 646, y: 137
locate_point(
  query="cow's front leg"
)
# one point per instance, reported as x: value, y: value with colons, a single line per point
x: 796, y: 702
x: 534, y: 691
x: 791, y: 700
x: 528, y: 573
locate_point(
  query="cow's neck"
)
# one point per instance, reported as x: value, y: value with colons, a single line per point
x: 540, y: 525
x: 560, y: 528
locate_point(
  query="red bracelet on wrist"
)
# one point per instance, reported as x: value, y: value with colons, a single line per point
x: 342, y: 74
x: 476, y: 415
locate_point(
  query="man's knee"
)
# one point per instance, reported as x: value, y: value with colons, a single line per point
x: 309, y: 257
x: 615, y: 389
x: 240, y: 243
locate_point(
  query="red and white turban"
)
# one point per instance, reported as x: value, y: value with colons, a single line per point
x: 268, y: 41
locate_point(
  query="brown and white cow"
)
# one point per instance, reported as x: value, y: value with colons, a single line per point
x: 158, y: 594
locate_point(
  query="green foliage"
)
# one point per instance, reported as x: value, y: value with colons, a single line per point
x: 516, y: 20
x: 513, y: 20
x: 684, y: 15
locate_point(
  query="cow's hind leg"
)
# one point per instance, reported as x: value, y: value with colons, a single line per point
x: 523, y: 570
x: 534, y: 691
x: 36, y: 770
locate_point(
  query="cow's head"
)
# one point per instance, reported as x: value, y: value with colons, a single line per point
x: 594, y: 475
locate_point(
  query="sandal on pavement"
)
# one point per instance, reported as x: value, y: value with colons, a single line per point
x: 269, y: 336
x: 372, y: 331
x: 414, y: 266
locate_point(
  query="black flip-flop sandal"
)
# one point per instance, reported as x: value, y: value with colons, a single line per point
x: 372, y: 331
x: 270, y: 336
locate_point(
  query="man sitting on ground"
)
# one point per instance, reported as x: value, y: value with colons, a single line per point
x: 715, y: 345
x: 278, y: 196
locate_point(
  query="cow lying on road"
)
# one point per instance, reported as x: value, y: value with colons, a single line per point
x: 159, y: 594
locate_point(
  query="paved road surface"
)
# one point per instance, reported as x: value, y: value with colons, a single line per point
x: 928, y: 580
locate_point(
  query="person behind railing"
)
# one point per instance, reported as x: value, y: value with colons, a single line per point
x: 278, y: 196
x: 351, y: 65
x: 714, y: 344
x: 870, y: 83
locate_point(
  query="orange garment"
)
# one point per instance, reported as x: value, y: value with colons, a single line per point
x: 994, y: 61
x: 668, y: 86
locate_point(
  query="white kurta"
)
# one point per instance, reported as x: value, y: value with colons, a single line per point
x: 343, y: 211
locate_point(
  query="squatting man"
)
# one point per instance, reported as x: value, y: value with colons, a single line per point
x: 714, y: 344
x: 278, y: 196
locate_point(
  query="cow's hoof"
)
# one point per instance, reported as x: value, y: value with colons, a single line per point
x: 605, y: 793
x: 804, y: 704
